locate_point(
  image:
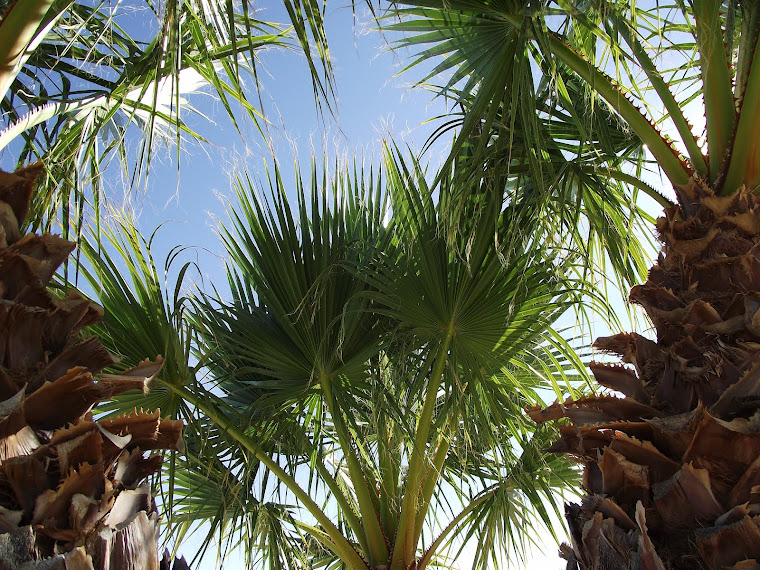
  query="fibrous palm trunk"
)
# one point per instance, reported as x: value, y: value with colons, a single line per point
x: 72, y: 491
x: 672, y: 470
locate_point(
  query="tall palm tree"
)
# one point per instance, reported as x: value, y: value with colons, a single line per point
x: 361, y: 393
x: 80, y: 81
x: 671, y: 469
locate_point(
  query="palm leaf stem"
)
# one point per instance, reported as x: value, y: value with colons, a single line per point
x: 750, y: 28
x: 634, y: 181
x: 388, y: 462
x: 375, y: 538
x: 345, y: 507
x: 405, y: 545
x: 720, y: 110
x: 321, y: 536
x: 744, y: 166
x: 337, y: 543
x: 431, y: 481
x: 673, y: 167
x: 17, y: 33
x: 171, y: 491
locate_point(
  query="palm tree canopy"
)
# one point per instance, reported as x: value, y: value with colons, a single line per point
x: 356, y: 338
x: 348, y: 318
x: 378, y: 346
x: 535, y: 119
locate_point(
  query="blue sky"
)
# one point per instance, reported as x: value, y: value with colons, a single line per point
x: 373, y: 104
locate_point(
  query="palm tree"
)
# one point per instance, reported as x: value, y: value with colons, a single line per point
x: 358, y: 401
x: 377, y: 355
x: 75, y: 78
x: 74, y: 491
x: 671, y: 469
x: 80, y: 81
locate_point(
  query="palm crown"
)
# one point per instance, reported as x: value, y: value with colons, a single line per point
x: 360, y: 347
x: 391, y: 356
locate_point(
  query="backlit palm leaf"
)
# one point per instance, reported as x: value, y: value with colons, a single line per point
x: 98, y: 75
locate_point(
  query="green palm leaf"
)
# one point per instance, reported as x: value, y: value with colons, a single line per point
x: 116, y: 73
x: 294, y: 303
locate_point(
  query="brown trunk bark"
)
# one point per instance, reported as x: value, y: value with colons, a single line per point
x: 671, y: 470
x: 72, y: 492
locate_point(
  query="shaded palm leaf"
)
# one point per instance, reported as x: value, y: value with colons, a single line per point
x: 294, y: 314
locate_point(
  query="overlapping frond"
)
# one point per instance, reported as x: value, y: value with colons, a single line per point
x: 295, y: 313
x: 551, y: 141
x: 95, y: 77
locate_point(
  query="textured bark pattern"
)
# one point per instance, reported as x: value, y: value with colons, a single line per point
x: 672, y: 470
x: 71, y: 492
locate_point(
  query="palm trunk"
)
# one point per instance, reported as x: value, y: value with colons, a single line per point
x: 672, y: 471
x: 72, y: 491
